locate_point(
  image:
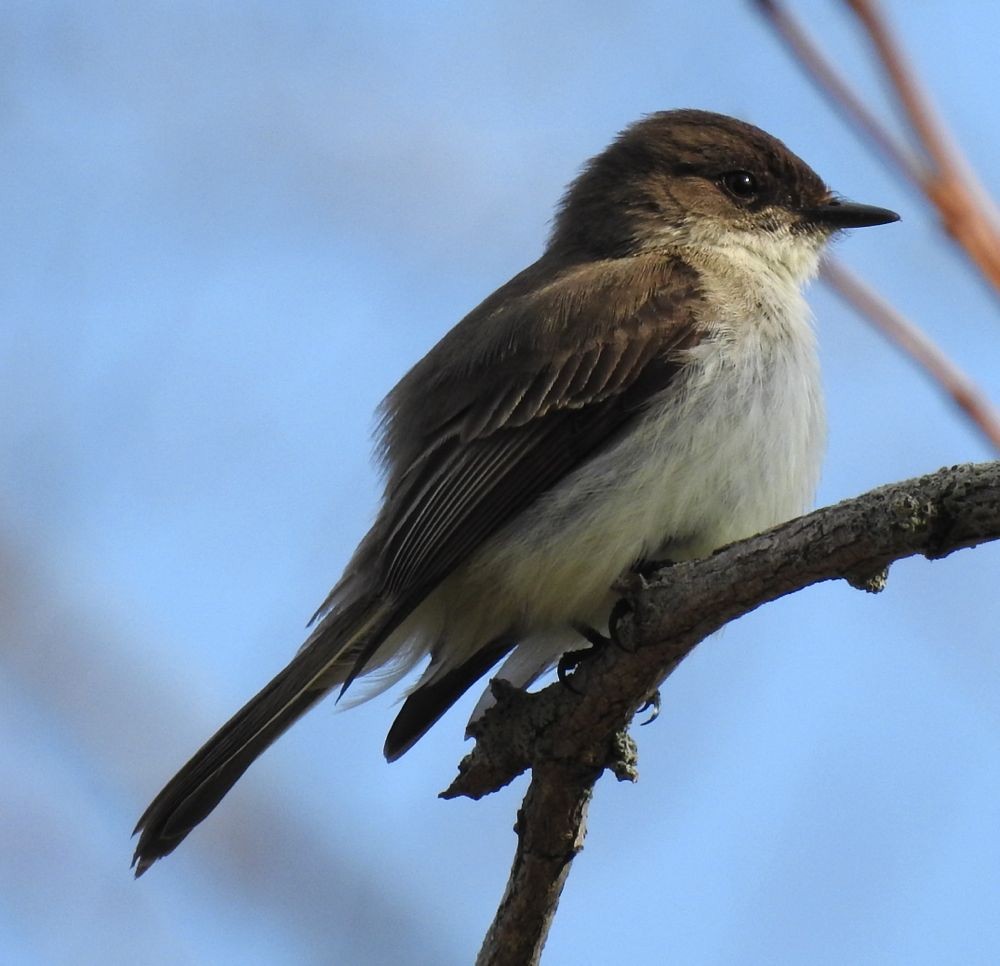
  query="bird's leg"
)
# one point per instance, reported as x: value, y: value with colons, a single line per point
x: 571, y: 660
x: 647, y: 567
x: 594, y: 637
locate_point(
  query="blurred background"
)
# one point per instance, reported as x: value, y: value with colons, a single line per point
x: 227, y: 229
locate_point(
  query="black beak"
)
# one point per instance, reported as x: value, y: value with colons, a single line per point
x: 848, y: 214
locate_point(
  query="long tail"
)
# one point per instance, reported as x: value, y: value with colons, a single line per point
x: 202, y: 783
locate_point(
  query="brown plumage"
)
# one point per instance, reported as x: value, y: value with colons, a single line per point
x: 491, y: 447
x: 539, y: 427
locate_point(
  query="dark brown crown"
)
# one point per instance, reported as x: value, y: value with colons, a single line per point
x: 599, y: 211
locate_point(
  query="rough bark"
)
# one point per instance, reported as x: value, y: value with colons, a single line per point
x: 568, y: 737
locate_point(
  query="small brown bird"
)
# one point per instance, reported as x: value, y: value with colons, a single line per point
x: 648, y: 388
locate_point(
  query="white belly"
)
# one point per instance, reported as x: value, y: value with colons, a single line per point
x: 732, y: 451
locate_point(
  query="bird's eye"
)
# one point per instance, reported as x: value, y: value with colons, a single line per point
x: 740, y: 184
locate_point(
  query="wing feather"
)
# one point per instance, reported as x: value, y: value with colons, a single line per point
x: 519, y: 422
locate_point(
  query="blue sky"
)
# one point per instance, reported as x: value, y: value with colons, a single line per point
x: 228, y: 229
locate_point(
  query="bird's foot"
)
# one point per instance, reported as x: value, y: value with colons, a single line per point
x: 571, y: 660
x: 646, y: 568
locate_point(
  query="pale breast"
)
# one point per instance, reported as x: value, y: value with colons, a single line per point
x: 730, y: 449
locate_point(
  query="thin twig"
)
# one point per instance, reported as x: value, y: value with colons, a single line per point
x: 928, y: 128
x: 842, y: 96
x: 944, y: 176
x: 967, y: 212
x: 918, y: 346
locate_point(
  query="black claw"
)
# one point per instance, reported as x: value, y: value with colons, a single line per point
x: 567, y: 664
x: 653, y: 701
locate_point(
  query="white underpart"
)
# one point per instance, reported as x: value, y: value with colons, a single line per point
x: 731, y: 448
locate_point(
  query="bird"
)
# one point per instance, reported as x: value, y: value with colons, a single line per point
x: 648, y: 388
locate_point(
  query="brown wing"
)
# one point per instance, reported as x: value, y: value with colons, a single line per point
x: 510, y: 450
x: 555, y: 384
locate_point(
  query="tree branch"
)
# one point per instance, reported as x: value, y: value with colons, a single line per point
x: 902, y: 333
x: 841, y: 94
x: 967, y: 211
x: 569, y: 738
x: 551, y: 825
x: 942, y: 173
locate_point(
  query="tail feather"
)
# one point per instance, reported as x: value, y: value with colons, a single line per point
x: 428, y: 702
x: 201, y: 784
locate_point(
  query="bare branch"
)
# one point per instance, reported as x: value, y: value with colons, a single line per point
x: 840, y: 93
x: 568, y: 739
x: 918, y: 346
x: 928, y: 128
x: 551, y: 824
x: 944, y: 176
x: 967, y: 212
